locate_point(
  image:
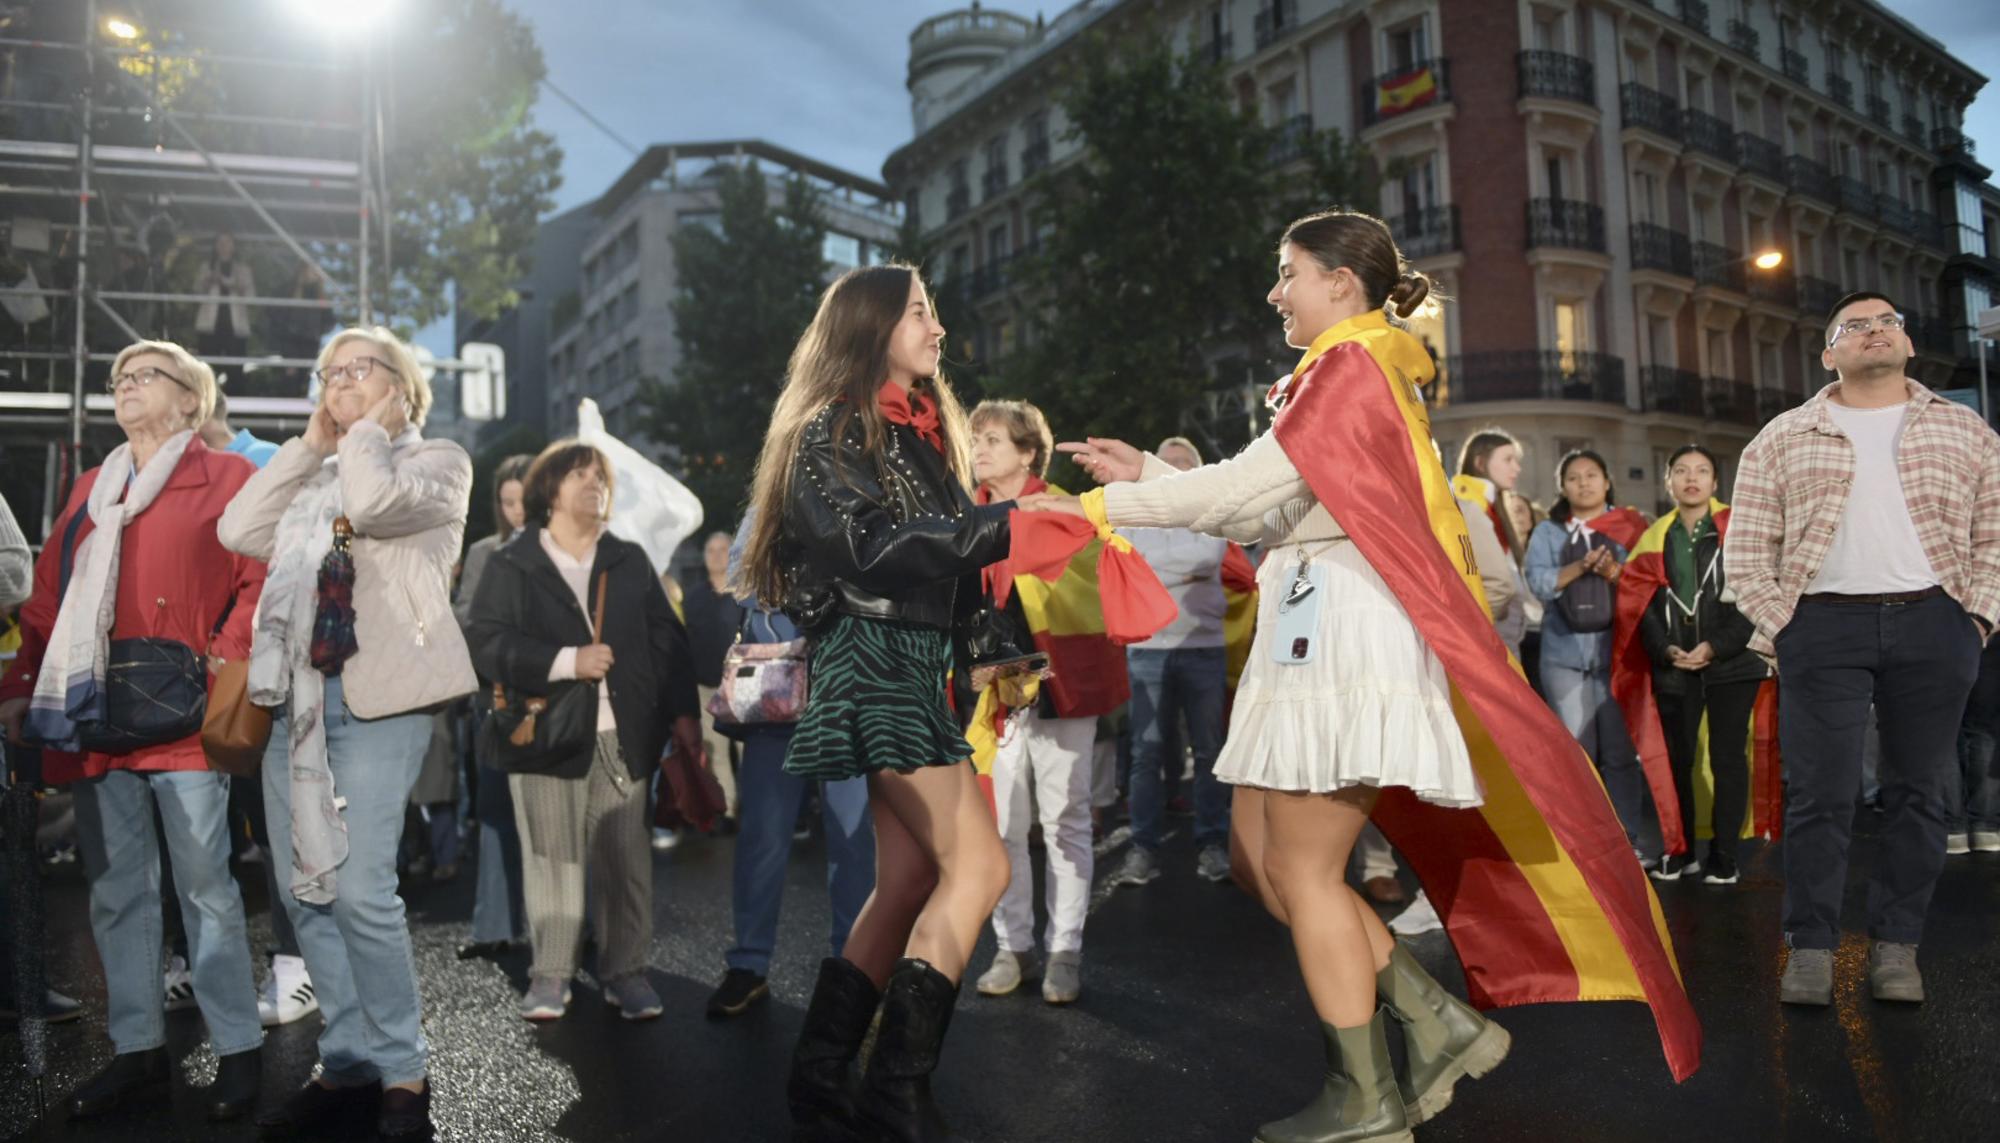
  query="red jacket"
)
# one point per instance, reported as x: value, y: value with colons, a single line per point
x: 175, y: 581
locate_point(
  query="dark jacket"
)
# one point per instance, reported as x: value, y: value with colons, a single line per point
x: 888, y: 536
x: 523, y: 614
x: 713, y: 618
x: 1715, y: 620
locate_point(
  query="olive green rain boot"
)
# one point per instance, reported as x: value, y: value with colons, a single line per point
x: 1444, y: 1038
x: 1359, y: 1102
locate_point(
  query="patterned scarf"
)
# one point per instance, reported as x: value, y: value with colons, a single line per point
x: 909, y: 407
x: 70, y: 688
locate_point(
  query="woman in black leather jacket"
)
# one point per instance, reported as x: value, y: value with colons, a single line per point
x: 867, y: 536
x: 1699, y: 646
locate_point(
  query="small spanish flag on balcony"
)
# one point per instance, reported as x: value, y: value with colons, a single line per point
x: 1406, y: 91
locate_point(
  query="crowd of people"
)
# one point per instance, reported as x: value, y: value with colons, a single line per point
x: 944, y: 662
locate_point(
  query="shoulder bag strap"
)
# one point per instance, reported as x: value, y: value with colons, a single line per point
x: 597, y: 614
x: 69, y: 549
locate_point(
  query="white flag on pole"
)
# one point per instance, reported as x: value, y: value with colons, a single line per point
x: 648, y: 507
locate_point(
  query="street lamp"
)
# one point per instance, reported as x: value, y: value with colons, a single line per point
x: 123, y: 29
x: 1768, y: 259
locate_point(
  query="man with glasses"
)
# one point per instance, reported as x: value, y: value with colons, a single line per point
x: 1865, y: 545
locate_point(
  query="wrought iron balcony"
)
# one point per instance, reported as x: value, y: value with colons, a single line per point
x: 1658, y: 248
x: 1817, y: 295
x: 1215, y: 49
x: 1292, y: 140
x: 1731, y: 400
x: 1034, y: 157
x: 1896, y: 216
x: 1535, y: 374
x: 1666, y: 389
x: 1426, y: 233
x: 1653, y: 110
x: 1718, y: 266
x: 957, y: 201
x: 1840, y: 89
x: 1694, y: 13
x: 1743, y: 37
x: 1795, y: 66
x: 1422, y: 84
x: 993, y: 183
x: 1776, y: 286
x: 1708, y: 134
x: 1878, y: 110
x: 1771, y: 402
x: 1951, y: 143
x: 1565, y: 224
x: 1760, y: 156
x: 1913, y: 128
x: 1807, y: 177
x: 1276, y: 19
x: 1856, y: 197
x: 1557, y: 75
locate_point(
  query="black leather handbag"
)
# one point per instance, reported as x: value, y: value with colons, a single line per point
x: 533, y: 734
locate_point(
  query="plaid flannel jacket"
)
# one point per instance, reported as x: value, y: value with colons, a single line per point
x: 1791, y: 490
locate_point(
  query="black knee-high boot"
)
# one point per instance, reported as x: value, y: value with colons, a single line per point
x: 819, y: 1088
x: 896, y: 1104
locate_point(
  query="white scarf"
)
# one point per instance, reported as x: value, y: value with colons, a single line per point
x: 70, y: 687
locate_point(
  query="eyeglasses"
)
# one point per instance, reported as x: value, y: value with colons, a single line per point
x: 143, y: 376
x: 1865, y: 325
x: 357, y: 370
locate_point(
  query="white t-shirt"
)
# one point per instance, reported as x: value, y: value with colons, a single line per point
x: 1876, y: 548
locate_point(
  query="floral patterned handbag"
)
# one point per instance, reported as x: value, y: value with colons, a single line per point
x: 763, y: 683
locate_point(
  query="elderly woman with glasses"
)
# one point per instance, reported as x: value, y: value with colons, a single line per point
x: 134, y: 557
x: 350, y: 689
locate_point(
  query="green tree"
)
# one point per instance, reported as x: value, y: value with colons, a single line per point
x: 1158, y: 246
x: 747, y: 290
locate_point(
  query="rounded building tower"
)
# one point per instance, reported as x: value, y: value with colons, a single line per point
x: 947, y: 50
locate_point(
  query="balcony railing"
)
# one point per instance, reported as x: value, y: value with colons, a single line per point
x: 1743, y: 38
x: 1670, y: 390
x: 1718, y: 266
x: 1807, y: 177
x: 1925, y: 228
x: 1557, y: 75
x: 1034, y: 157
x: 1694, y: 13
x: 1216, y: 49
x: 1794, y: 63
x: 1856, y: 197
x: 1565, y: 224
x: 1913, y: 129
x: 1771, y: 402
x: 1708, y: 134
x: 1817, y: 295
x: 1776, y: 286
x: 957, y: 201
x: 1878, y: 110
x: 1293, y: 138
x: 1422, y: 84
x: 1731, y: 400
x: 1951, y: 143
x: 1276, y: 19
x: 1840, y: 89
x: 1760, y: 156
x: 1653, y: 110
x: 1896, y: 216
x: 1426, y: 233
x: 1658, y: 248
x: 993, y: 183
x: 1535, y: 374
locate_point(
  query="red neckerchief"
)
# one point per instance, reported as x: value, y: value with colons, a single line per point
x: 908, y: 407
x: 998, y: 577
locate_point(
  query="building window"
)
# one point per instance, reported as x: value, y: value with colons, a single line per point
x: 996, y: 244
x: 709, y: 220
x: 1419, y: 186
x: 1646, y: 196
x: 1572, y: 330
x: 843, y: 251
x: 1405, y: 46
x: 1283, y: 100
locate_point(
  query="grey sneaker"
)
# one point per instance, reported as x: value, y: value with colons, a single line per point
x: 633, y: 996
x: 1006, y: 973
x: 1062, y: 982
x: 1213, y: 863
x: 1139, y: 867
x: 547, y: 999
x: 1892, y: 972
x: 1808, y: 978
x: 1986, y: 840
x: 1957, y: 843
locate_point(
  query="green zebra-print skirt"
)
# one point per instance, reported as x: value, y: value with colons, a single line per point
x: 876, y: 701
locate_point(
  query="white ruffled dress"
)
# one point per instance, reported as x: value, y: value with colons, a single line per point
x: 1373, y: 707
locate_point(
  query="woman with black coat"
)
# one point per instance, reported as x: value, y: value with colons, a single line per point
x: 567, y: 605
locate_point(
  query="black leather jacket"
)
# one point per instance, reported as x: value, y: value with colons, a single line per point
x: 890, y: 535
x: 1715, y: 620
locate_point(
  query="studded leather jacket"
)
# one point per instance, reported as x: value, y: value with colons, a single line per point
x: 890, y: 535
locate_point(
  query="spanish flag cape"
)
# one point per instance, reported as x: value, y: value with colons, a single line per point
x: 1632, y: 685
x: 1239, y: 615
x: 1538, y: 889
x: 1480, y: 490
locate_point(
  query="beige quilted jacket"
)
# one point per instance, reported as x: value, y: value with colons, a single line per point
x: 407, y: 502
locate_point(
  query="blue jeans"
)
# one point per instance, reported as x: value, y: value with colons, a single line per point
x: 769, y: 801
x: 358, y: 948
x: 498, y: 912
x: 1582, y: 700
x: 1167, y: 686
x: 121, y: 856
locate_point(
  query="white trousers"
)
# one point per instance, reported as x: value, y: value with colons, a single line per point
x: 1043, y: 769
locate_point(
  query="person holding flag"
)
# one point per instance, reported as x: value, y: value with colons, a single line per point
x: 1681, y: 660
x: 1379, y: 687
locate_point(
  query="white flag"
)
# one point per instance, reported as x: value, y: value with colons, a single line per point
x: 648, y: 507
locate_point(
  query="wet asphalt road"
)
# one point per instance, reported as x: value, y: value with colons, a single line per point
x: 1193, y: 1026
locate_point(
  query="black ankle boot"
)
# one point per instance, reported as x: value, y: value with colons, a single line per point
x: 895, y: 1104
x: 127, y: 1079
x: 819, y: 1089
x: 237, y: 1079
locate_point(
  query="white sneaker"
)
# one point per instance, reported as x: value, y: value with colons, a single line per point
x: 179, y: 985
x: 1986, y: 840
x: 1006, y: 973
x: 665, y: 839
x: 287, y: 994
x: 1957, y: 843
x: 1420, y: 917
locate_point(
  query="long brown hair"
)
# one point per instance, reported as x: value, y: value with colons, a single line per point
x: 842, y: 357
x: 513, y: 468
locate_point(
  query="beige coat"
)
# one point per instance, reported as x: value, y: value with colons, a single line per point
x: 407, y: 503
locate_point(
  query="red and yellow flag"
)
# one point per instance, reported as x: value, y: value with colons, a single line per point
x: 1632, y: 685
x: 1415, y: 88
x: 1239, y: 615
x: 1538, y: 888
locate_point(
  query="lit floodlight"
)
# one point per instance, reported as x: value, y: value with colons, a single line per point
x: 123, y: 29
x: 1769, y: 260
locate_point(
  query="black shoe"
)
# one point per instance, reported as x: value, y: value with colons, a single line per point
x: 484, y: 950
x: 129, y: 1078
x: 895, y: 1103
x: 740, y: 988
x: 818, y: 1091
x: 406, y: 1114
x: 1721, y: 869
x: 234, y: 1092
x: 318, y: 1110
x: 1674, y: 865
